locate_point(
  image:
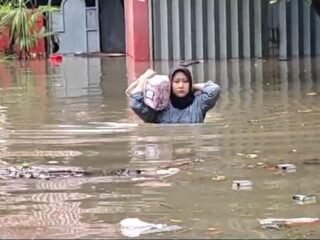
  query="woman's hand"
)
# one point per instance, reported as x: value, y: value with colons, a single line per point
x: 147, y: 74
x: 137, y: 86
x: 198, y: 86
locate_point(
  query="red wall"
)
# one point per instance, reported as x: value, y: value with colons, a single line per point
x: 137, y: 29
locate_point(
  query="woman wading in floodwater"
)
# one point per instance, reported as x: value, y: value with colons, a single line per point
x: 185, y: 106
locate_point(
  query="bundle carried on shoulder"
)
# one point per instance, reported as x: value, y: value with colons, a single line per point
x: 156, y: 89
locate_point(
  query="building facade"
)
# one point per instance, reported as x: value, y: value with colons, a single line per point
x: 219, y: 29
x: 188, y: 29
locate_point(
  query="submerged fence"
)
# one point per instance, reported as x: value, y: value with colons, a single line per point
x: 220, y: 29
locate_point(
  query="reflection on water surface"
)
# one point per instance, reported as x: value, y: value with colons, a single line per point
x: 76, y: 114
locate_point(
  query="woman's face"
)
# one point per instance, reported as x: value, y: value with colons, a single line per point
x: 180, y: 84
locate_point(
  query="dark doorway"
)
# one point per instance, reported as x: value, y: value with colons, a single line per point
x: 316, y: 5
x: 112, y: 26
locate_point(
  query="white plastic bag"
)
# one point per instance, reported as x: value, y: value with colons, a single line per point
x: 134, y: 227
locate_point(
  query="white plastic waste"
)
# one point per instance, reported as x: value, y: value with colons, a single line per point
x: 288, y: 167
x: 304, y: 199
x: 167, y: 172
x: 152, y: 174
x: 242, y: 185
x: 288, y: 221
x: 134, y: 227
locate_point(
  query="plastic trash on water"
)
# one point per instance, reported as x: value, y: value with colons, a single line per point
x: 286, y: 222
x: 56, y: 59
x: 287, y: 167
x: 137, y: 179
x: 304, y: 199
x: 242, y: 185
x: 134, y: 227
x: 167, y: 172
x: 134, y: 223
x: 156, y: 173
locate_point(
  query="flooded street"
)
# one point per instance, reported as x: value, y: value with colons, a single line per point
x: 76, y: 114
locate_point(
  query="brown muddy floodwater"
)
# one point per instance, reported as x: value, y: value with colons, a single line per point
x: 76, y: 114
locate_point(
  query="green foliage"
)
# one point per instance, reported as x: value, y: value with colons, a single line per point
x: 22, y: 23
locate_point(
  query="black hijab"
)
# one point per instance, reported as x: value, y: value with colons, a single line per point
x: 181, y: 102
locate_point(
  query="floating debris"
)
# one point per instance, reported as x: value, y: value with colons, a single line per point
x: 253, y: 121
x: 50, y: 172
x: 199, y: 160
x: 287, y: 167
x: 311, y: 94
x: 176, y: 220
x: 188, y: 63
x: 219, y: 178
x: 240, y: 154
x: 286, y: 222
x: 53, y: 162
x: 142, y: 178
x: 213, y: 231
x: 304, y: 111
x: 250, y: 155
x: 134, y: 227
x: 166, y: 206
x: 242, y: 185
x: 167, y: 172
x: 304, y: 199
x: 250, y: 166
x: 273, y: 226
